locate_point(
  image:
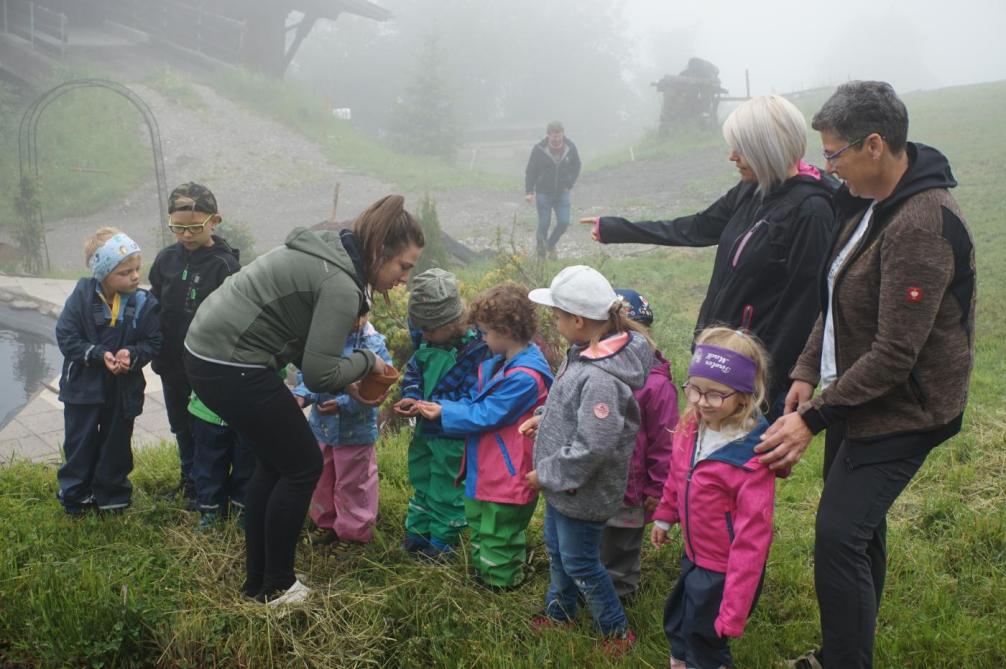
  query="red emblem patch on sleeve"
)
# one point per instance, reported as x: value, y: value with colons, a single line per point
x: 914, y: 294
x: 601, y: 410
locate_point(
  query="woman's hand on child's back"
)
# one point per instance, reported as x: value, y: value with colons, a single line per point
x: 406, y: 407
x: 658, y: 536
x: 429, y: 410
x: 529, y: 428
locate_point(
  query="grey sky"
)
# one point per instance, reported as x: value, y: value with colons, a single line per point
x: 792, y: 44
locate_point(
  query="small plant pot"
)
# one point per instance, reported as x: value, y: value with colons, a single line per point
x: 374, y: 385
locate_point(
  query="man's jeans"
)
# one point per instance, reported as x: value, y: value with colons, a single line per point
x: 546, y: 202
x: 575, y: 564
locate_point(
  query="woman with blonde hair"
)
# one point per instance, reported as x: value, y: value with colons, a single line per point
x: 773, y: 230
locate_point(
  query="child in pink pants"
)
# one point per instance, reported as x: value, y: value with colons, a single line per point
x: 344, y: 505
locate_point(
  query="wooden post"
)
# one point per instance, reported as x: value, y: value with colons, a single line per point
x: 471, y: 163
x: 335, y: 202
x: 747, y: 83
x: 31, y: 23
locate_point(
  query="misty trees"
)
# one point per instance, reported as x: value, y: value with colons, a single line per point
x: 518, y: 63
x: 423, y: 120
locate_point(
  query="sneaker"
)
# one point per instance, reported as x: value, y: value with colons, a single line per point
x: 435, y: 553
x: 542, y: 621
x: 809, y: 660
x: 207, y: 521
x: 619, y: 644
x: 295, y: 594
x: 323, y: 537
x: 414, y: 542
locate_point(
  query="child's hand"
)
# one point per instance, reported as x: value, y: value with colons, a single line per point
x: 327, y: 408
x: 301, y: 402
x: 113, y: 364
x: 650, y: 504
x: 429, y: 410
x: 532, y: 479
x: 658, y: 536
x: 124, y: 360
x: 406, y: 407
x: 529, y: 428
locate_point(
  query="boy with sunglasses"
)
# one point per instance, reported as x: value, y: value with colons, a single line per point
x: 181, y: 277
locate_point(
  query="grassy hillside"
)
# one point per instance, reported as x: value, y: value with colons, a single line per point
x: 145, y: 589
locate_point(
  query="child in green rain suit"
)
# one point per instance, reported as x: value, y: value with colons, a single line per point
x: 444, y: 366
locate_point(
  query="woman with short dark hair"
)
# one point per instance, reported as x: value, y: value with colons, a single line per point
x: 891, y: 353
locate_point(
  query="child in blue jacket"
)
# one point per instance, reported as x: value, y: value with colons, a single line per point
x: 344, y: 505
x: 108, y: 330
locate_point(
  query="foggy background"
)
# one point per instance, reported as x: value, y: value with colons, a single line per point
x: 591, y: 63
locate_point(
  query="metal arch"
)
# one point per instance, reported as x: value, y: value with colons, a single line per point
x: 28, y: 137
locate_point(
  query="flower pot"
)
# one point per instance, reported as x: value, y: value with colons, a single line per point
x: 374, y: 385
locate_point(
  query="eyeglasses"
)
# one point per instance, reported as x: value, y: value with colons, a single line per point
x: 714, y: 398
x: 195, y: 228
x: 833, y: 156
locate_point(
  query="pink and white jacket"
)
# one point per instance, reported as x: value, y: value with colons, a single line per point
x: 724, y: 504
x: 658, y: 409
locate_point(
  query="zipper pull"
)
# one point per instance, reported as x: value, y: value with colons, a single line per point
x: 747, y: 315
x: 185, y: 274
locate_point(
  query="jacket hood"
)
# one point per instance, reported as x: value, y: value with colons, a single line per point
x: 927, y: 168
x: 626, y: 356
x: 532, y: 358
x: 808, y: 181
x: 324, y: 244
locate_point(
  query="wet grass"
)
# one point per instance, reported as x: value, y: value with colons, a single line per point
x: 145, y: 589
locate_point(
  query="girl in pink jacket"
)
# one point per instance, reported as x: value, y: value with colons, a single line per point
x: 723, y: 498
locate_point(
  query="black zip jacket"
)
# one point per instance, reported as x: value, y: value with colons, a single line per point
x: 545, y: 175
x: 181, y: 280
x: 770, y: 253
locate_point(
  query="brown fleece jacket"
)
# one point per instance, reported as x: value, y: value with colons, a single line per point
x: 904, y: 310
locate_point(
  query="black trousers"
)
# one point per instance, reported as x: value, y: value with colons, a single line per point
x: 99, y: 456
x: 850, y: 548
x: 257, y: 404
x: 176, y: 401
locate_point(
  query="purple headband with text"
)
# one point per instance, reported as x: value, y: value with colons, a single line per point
x: 722, y: 365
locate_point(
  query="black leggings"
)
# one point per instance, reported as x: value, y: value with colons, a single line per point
x: 257, y: 404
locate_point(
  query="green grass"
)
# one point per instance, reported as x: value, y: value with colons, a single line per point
x: 307, y: 112
x: 145, y: 589
x: 93, y: 151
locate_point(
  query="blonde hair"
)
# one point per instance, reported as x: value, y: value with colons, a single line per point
x: 771, y: 134
x: 93, y: 242
x: 746, y: 344
x: 619, y: 321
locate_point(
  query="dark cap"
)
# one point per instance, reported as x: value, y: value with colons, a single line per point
x: 637, y: 306
x: 192, y: 197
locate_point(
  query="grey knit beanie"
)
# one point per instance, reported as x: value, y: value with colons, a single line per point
x: 434, y: 299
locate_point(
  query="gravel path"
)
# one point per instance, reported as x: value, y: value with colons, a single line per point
x: 272, y: 179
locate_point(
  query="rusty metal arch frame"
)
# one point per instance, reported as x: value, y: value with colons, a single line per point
x: 27, y: 148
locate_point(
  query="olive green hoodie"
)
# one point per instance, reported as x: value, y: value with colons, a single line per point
x: 295, y: 304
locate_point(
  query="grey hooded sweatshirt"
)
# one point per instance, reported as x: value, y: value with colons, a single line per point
x: 589, y: 425
x: 296, y: 304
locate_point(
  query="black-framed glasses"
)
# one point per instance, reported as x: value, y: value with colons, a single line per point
x: 194, y: 228
x: 833, y: 156
x: 714, y: 398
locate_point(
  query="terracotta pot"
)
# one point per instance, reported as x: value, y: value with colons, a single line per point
x: 374, y: 385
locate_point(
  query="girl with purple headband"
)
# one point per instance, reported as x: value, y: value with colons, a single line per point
x: 722, y: 496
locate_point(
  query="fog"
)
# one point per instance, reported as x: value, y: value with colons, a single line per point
x: 591, y: 63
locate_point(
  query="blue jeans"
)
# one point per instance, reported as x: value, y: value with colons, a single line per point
x: 574, y: 553
x: 546, y: 202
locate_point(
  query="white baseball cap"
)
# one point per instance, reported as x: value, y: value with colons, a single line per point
x: 579, y: 290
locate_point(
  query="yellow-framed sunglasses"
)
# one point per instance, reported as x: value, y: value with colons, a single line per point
x: 194, y: 228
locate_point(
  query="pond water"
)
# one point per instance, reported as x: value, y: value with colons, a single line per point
x: 28, y: 358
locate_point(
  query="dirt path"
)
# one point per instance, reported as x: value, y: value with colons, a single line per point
x: 272, y: 179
